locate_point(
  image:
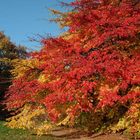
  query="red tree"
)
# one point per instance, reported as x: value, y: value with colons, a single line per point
x: 94, y: 66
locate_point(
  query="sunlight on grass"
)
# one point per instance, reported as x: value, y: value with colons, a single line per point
x: 18, y: 134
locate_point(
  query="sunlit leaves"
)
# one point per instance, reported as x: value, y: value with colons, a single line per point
x: 93, y: 67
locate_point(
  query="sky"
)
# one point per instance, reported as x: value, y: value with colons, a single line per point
x: 21, y: 20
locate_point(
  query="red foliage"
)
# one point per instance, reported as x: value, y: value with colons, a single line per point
x: 96, y: 67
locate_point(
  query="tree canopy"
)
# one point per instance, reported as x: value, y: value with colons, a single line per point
x: 8, y: 52
x: 90, y: 75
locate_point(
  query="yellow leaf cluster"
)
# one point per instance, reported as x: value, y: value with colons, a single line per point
x: 21, y: 66
x: 130, y: 122
x: 64, y: 122
x: 42, y: 78
x: 26, y: 119
x: 32, y: 119
x: 44, y: 128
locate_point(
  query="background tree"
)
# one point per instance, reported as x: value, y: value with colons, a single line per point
x: 8, y: 53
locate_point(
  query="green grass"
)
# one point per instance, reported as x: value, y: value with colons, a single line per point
x: 18, y: 134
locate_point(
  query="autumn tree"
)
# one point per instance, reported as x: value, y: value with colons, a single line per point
x: 8, y: 53
x: 90, y: 75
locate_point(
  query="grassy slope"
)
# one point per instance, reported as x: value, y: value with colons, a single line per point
x: 17, y: 134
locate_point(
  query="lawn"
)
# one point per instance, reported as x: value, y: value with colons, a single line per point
x: 18, y: 134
